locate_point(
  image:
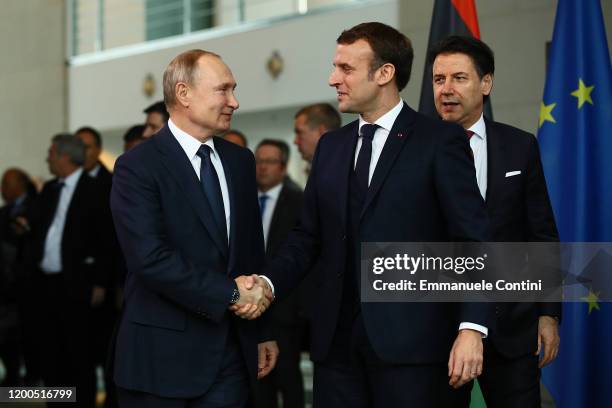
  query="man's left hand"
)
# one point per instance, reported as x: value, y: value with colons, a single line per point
x: 465, y: 361
x: 268, y: 355
x: 548, y: 338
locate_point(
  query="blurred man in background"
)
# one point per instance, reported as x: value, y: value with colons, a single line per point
x: 157, y: 116
x: 237, y: 137
x: 311, y: 122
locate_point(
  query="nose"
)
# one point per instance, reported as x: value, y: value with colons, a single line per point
x: 334, y: 78
x: 447, y: 88
x: 233, y: 102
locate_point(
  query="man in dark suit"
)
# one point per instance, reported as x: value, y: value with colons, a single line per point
x: 68, y: 251
x: 105, y: 316
x: 93, y: 148
x: 511, y: 179
x: 280, y: 202
x: 18, y: 193
x: 186, y: 214
x: 391, y: 176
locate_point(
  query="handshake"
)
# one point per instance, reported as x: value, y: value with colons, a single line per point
x: 255, y: 297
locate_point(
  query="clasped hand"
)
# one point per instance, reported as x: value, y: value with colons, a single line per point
x: 255, y: 297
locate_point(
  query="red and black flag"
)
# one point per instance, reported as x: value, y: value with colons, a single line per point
x: 450, y: 17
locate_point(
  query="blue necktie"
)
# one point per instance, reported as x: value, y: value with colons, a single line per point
x: 212, y: 189
x: 362, y: 168
x: 262, y: 203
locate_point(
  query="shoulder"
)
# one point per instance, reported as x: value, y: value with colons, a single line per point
x: 291, y: 189
x: 339, y: 136
x: 428, y: 127
x: 509, y: 132
x: 232, y: 150
x: 512, y: 138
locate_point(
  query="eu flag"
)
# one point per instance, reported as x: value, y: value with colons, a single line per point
x: 575, y: 136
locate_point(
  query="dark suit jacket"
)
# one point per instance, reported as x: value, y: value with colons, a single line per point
x: 104, y: 177
x: 84, y: 241
x: 286, y: 312
x: 180, y: 272
x: 423, y: 190
x: 12, y: 246
x: 519, y: 210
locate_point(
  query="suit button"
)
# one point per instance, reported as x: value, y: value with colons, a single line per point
x: 496, y: 310
x: 344, y: 237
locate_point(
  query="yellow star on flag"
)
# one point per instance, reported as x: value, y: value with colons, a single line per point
x: 546, y: 113
x: 583, y: 93
x: 591, y: 299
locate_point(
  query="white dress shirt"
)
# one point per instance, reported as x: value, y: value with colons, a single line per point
x: 52, y: 254
x: 191, y: 145
x: 266, y: 216
x: 478, y: 143
x: 385, y: 122
x: 93, y: 173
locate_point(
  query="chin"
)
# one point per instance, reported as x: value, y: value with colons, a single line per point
x: 345, y: 108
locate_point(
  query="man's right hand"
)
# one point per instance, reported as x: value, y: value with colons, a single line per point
x: 255, y: 297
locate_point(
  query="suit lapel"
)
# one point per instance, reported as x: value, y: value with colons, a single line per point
x: 75, y: 202
x: 395, y: 141
x: 178, y: 165
x: 228, y: 165
x: 346, y: 163
x: 495, y: 159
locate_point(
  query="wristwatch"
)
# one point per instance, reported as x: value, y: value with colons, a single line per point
x: 235, y: 296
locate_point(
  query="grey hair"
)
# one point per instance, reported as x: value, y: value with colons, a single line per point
x: 73, y: 146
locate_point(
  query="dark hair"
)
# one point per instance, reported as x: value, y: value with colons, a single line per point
x: 96, y: 135
x: 280, y: 145
x: 24, y: 180
x: 237, y: 133
x: 389, y: 47
x: 479, y: 52
x: 321, y: 114
x: 158, y: 107
x: 133, y: 133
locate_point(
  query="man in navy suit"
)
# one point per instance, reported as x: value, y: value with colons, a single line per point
x: 396, y: 176
x: 187, y: 217
x: 511, y: 179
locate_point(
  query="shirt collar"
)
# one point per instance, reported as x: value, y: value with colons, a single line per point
x: 387, y: 120
x: 94, y: 172
x: 189, y: 143
x: 73, y: 178
x: 272, y: 193
x: 479, y: 128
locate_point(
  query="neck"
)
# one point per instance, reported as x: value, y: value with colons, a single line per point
x: 383, y: 105
x: 268, y: 188
x: 67, y: 171
x: 193, y: 130
x: 472, y: 121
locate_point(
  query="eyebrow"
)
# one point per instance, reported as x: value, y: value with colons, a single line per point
x: 227, y: 85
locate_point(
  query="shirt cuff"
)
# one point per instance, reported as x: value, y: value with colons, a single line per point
x: 474, y: 326
x: 270, y: 283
